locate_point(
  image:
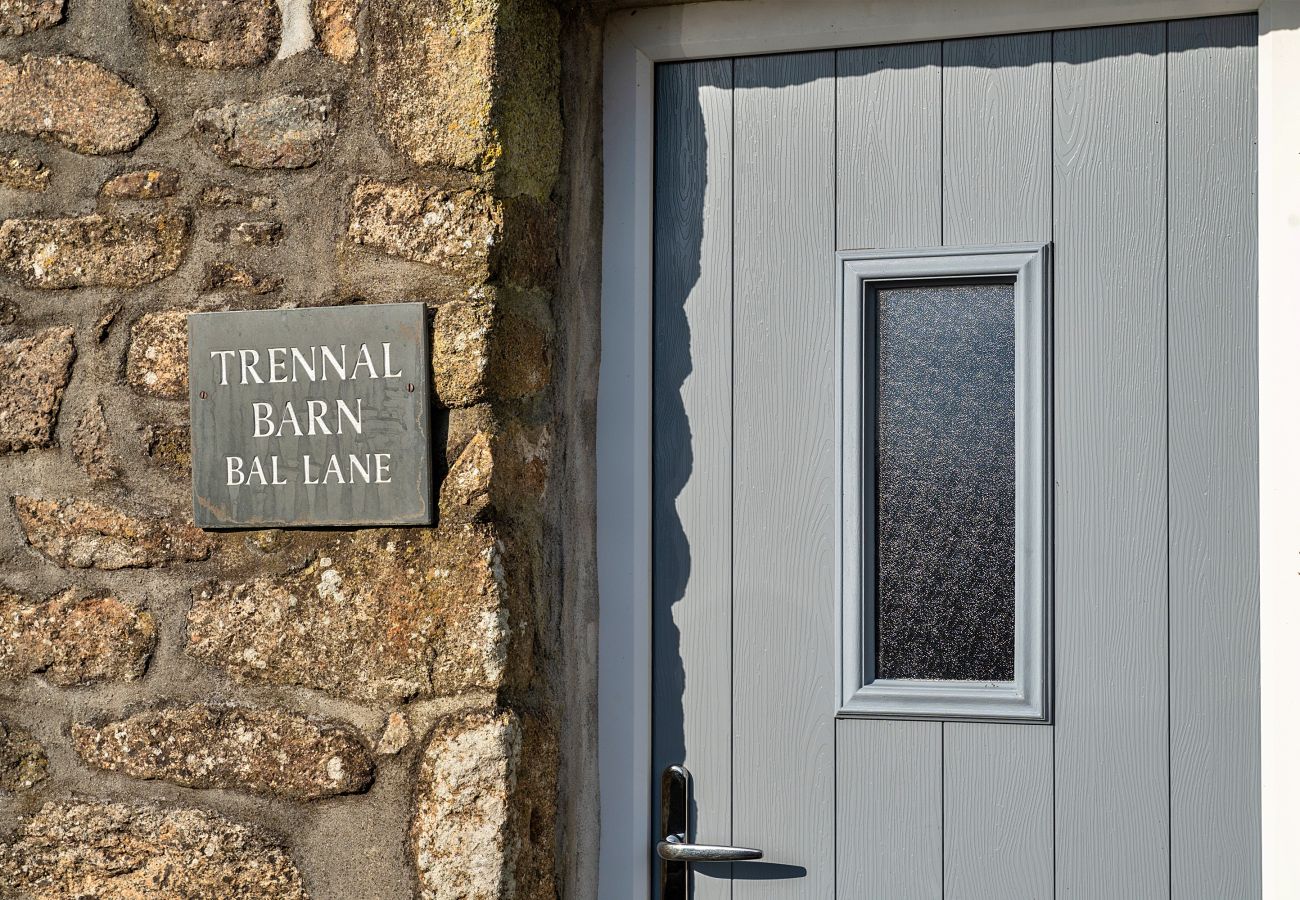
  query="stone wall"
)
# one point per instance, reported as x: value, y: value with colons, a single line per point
x: 354, y: 713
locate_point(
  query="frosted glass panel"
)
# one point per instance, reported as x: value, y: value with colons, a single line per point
x: 945, y: 482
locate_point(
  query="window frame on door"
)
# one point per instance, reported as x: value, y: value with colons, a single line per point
x: 635, y: 41
x: 1026, y: 698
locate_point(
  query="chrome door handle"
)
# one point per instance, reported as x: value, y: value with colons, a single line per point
x: 674, y: 848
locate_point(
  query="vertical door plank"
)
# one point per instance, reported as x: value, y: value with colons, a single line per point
x: 692, y: 439
x: 997, y: 188
x: 997, y: 811
x: 888, y: 147
x: 1213, y: 469
x: 997, y: 140
x: 784, y: 473
x: 889, y: 805
x: 891, y: 810
x: 1112, y: 776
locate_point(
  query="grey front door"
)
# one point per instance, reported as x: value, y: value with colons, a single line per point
x: 1129, y: 151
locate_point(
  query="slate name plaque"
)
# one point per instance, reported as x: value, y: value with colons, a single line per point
x: 310, y: 416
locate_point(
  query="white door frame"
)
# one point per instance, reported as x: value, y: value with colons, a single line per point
x: 637, y: 39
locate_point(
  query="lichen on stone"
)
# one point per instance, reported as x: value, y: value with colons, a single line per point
x: 472, y: 85
x: 249, y: 234
x: 484, y: 350
x: 212, y: 34
x: 379, y: 616
x: 21, y: 16
x: 93, y: 251
x: 23, y: 172
x: 485, y: 806
x: 79, y: 534
x: 74, y: 640
x: 336, y: 28
x: 34, y: 373
x: 500, y: 471
x: 168, y: 447
x: 157, y: 358
x: 396, y: 735
x: 141, y: 184
x: 411, y: 156
x: 456, y: 231
x: 72, y: 101
x: 98, y: 850
x: 280, y: 132
x: 23, y: 763
x: 263, y: 751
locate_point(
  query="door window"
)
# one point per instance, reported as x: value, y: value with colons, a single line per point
x: 944, y: 467
x: 945, y: 479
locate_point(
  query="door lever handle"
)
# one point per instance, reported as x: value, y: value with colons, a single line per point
x: 674, y: 848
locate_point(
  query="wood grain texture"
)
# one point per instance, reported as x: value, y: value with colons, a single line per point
x: 889, y: 122
x: 889, y: 147
x: 997, y: 188
x: 1213, y: 469
x: 890, y: 810
x: 997, y: 140
x: 692, y: 440
x: 997, y: 811
x: 1152, y: 765
x: 1112, y: 778
x: 784, y: 471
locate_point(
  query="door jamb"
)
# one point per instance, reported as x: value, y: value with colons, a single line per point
x: 635, y: 40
